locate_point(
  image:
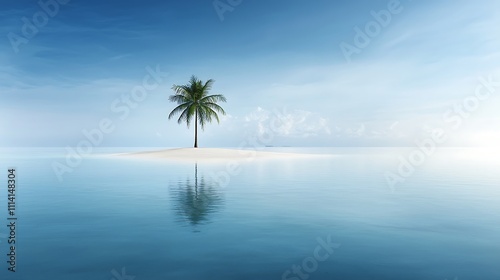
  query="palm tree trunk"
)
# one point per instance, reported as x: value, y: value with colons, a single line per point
x: 196, y: 129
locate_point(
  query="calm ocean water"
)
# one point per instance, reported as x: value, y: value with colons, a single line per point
x: 332, y: 217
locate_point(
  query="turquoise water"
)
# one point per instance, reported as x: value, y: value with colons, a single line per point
x: 335, y: 217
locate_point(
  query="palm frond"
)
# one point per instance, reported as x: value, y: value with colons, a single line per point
x: 178, y: 98
x: 208, y: 86
x: 215, y: 107
x: 183, y: 90
x: 185, y: 117
x: 178, y: 109
x: 213, y: 98
x: 211, y: 114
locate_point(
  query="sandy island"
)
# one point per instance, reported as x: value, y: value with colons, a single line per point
x: 215, y: 154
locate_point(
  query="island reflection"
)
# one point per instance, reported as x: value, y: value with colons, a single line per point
x: 195, y: 200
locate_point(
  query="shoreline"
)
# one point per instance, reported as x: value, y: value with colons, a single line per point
x: 215, y: 154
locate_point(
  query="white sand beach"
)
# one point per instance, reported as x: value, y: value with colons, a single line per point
x: 215, y: 154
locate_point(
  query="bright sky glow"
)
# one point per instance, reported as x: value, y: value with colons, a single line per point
x: 419, y: 71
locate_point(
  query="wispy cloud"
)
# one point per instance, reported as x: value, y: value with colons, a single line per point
x: 95, y: 51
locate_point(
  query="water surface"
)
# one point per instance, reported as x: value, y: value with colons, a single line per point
x: 113, y: 217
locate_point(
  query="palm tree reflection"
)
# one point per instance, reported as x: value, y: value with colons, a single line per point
x: 195, y: 202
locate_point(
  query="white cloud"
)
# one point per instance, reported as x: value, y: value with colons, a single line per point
x: 287, y: 123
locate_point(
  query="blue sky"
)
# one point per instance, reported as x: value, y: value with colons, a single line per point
x: 277, y: 62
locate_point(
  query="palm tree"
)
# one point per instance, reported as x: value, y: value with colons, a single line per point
x: 193, y: 100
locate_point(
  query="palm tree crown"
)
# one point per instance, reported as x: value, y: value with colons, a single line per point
x: 193, y: 100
